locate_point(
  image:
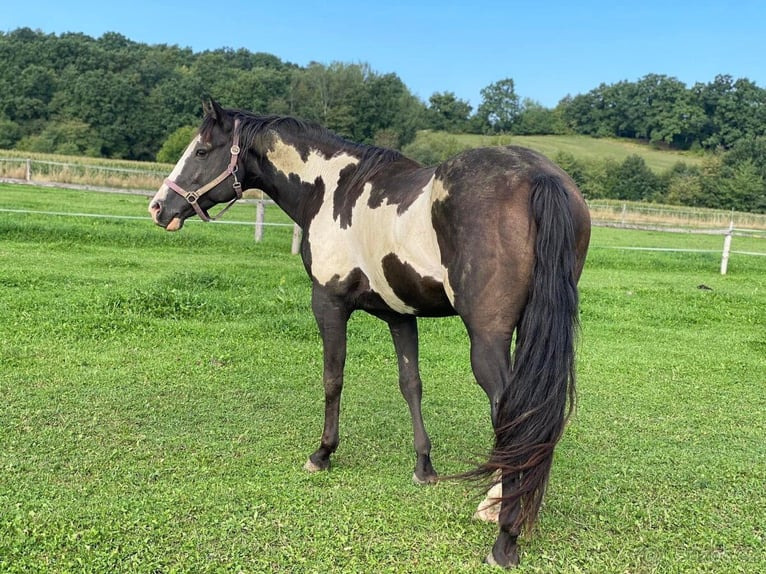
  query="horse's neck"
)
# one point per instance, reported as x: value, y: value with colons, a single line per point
x: 298, y: 177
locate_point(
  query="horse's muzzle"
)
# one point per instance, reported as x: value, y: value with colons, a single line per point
x: 155, y: 210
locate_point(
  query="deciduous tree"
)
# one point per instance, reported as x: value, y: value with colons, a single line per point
x: 500, y: 106
x: 447, y: 112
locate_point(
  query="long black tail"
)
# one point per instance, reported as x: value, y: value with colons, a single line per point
x: 535, y: 406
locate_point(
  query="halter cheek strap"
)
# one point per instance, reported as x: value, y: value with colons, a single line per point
x: 231, y: 170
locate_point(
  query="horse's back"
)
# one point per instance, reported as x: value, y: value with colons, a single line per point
x: 482, y: 218
x: 502, y: 173
x: 436, y: 241
x: 485, y: 193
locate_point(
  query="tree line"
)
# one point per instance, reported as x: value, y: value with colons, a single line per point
x: 112, y: 97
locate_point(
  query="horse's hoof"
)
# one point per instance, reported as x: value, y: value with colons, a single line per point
x: 505, y: 551
x: 429, y: 479
x: 311, y: 467
x: 513, y: 561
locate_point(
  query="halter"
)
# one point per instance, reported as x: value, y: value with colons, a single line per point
x: 231, y: 170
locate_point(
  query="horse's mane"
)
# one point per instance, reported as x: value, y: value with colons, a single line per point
x: 256, y: 132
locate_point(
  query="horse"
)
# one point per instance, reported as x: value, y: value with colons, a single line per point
x: 496, y: 235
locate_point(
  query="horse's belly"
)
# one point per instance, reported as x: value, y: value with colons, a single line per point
x: 408, y: 282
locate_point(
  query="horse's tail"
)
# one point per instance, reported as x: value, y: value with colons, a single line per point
x: 534, y: 408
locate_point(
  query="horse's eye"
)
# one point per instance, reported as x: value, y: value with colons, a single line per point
x: 201, y: 152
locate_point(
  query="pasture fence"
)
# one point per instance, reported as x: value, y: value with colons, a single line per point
x: 93, y: 177
x: 87, y: 174
x: 676, y: 218
x: 681, y: 220
x: 607, y: 213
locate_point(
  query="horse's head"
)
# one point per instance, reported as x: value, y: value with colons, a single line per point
x: 205, y: 175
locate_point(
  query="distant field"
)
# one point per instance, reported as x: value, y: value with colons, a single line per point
x: 98, y: 171
x: 77, y: 159
x: 582, y: 147
x: 160, y: 393
x: 84, y: 171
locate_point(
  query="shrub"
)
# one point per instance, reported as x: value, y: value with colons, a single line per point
x: 175, y: 145
x: 434, y: 148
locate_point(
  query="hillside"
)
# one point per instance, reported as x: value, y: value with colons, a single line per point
x: 142, y: 174
x: 581, y: 147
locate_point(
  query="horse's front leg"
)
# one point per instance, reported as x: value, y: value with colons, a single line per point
x: 332, y: 318
x: 404, y: 331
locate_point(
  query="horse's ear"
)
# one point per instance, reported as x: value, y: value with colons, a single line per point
x: 212, y: 108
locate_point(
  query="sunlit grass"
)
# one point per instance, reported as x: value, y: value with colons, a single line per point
x: 162, y: 391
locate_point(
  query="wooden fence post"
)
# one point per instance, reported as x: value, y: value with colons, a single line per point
x: 260, y: 214
x: 29, y: 170
x: 726, y: 248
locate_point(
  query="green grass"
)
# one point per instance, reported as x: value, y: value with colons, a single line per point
x: 584, y: 148
x: 162, y: 391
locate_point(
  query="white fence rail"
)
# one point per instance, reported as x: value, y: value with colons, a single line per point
x: 682, y: 220
x: 672, y: 218
x: 606, y: 213
x: 30, y: 176
x: 37, y: 170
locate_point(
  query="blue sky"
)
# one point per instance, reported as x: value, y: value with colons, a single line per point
x: 550, y: 49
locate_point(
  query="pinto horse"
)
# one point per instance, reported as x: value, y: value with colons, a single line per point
x: 497, y: 236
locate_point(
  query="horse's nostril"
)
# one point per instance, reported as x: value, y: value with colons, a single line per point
x: 155, y: 206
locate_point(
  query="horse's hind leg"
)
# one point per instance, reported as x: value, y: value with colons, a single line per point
x: 490, y: 327
x: 491, y: 364
x: 332, y: 319
x: 505, y: 551
x: 404, y: 331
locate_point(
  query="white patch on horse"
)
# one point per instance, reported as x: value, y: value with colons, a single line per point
x: 439, y: 192
x: 162, y: 193
x: 287, y: 160
x: 489, y: 508
x: 373, y: 234
x: 450, y: 292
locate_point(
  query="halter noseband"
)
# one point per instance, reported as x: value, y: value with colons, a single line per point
x: 231, y: 170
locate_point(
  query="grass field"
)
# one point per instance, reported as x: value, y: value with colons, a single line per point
x: 162, y: 391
